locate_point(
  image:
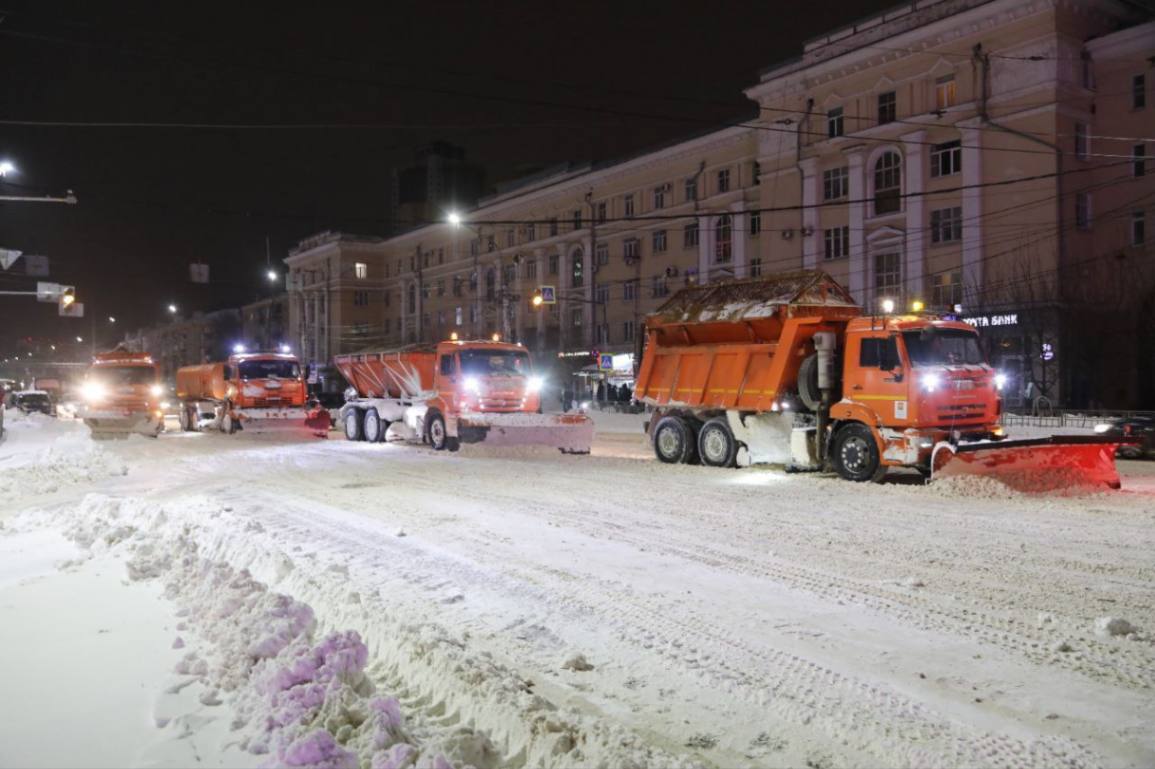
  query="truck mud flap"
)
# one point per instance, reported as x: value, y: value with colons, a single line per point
x: 569, y: 433
x: 1056, y: 463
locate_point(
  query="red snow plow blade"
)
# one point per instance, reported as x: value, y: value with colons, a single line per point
x: 1034, y: 465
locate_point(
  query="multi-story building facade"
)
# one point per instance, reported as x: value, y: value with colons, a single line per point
x: 978, y: 154
x: 202, y: 338
x: 265, y: 323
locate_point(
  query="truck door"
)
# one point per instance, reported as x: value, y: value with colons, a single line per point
x: 875, y: 376
x: 446, y: 384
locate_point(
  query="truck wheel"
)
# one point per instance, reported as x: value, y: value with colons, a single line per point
x: 673, y: 440
x: 436, y: 432
x: 855, y: 454
x: 373, y: 426
x: 353, y: 425
x: 716, y: 444
x: 185, y: 419
x: 808, y: 391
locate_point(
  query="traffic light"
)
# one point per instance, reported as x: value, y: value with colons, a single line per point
x: 67, y: 297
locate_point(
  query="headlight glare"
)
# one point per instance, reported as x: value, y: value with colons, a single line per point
x: 1000, y: 381
x: 92, y: 391
x: 930, y: 382
x: 534, y: 384
x: 156, y: 391
x: 472, y: 384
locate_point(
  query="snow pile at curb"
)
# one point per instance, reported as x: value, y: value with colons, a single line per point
x: 68, y: 457
x: 307, y: 689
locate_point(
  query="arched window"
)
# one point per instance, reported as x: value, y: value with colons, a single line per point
x: 577, y: 269
x: 887, y: 184
x: 723, y: 239
x: 491, y: 284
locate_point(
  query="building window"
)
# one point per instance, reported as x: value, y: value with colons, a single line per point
x: 887, y: 107
x: 628, y: 205
x: 756, y: 173
x: 660, y: 196
x: 690, y: 235
x: 577, y: 270
x: 755, y: 223
x: 1083, y: 210
x: 691, y: 189
x: 1139, y: 92
x: 491, y: 284
x: 602, y: 295
x: 360, y: 271
x: 946, y: 225
x: 887, y: 275
x: 530, y: 232
x: 628, y: 331
x: 946, y: 159
x: 553, y: 227
x: 1081, y: 140
x: 577, y: 220
x: 508, y: 274
x: 723, y: 242
x: 1138, y: 228
x: 601, y: 211
x: 944, y: 92
x: 947, y: 290
x: 458, y: 285
x: 1139, y: 160
x: 834, y: 123
x: 441, y: 286
x: 553, y: 260
x: 659, y: 241
x: 510, y: 238
x: 575, y: 317
x: 837, y: 242
x: 531, y: 269
x: 723, y: 180
x: 603, y: 333
x: 603, y: 254
x: 659, y: 287
x: 360, y: 298
x: 411, y: 299
x: 630, y: 290
x: 631, y: 248
x: 755, y: 267
x: 835, y: 183
x: 425, y: 260
x: 887, y: 184
x: 474, y: 250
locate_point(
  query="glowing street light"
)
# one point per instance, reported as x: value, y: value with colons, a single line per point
x: 888, y: 306
x: 111, y: 319
x: 272, y: 276
x: 79, y: 339
x: 454, y: 218
x: 7, y: 168
x: 238, y: 348
x: 538, y: 300
x: 172, y: 309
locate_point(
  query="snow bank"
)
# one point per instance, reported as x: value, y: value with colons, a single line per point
x: 42, y: 455
x: 315, y: 692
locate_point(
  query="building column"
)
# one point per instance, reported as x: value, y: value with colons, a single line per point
x: 858, y: 261
x: 972, y: 210
x: 914, y: 175
x: 705, y: 248
x: 739, y: 231
x: 810, y: 214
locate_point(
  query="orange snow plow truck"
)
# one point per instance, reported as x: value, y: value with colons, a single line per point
x: 254, y: 391
x: 787, y: 369
x: 452, y: 393
x: 121, y: 394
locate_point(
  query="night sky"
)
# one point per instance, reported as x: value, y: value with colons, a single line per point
x: 518, y: 85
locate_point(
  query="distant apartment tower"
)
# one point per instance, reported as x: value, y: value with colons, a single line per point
x: 440, y: 180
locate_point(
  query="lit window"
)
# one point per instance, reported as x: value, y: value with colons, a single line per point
x: 944, y: 92
x: 360, y: 270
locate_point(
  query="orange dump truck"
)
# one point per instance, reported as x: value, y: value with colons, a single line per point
x: 452, y: 393
x: 122, y: 394
x: 249, y: 390
x: 787, y: 369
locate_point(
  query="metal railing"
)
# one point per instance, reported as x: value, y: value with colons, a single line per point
x: 1085, y: 418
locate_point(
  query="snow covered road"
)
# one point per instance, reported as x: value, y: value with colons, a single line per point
x: 523, y: 608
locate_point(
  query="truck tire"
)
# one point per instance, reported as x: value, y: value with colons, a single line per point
x: 808, y: 391
x: 855, y: 454
x: 436, y: 433
x: 185, y: 419
x: 353, y: 425
x: 373, y: 427
x: 674, y: 441
x: 716, y: 443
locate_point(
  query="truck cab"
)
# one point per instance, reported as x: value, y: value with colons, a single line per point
x: 122, y: 393
x: 265, y: 380
x: 485, y: 377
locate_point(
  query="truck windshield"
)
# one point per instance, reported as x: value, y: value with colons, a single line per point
x: 270, y: 369
x: 488, y: 362
x: 942, y: 347
x: 34, y: 399
x: 122, y: 376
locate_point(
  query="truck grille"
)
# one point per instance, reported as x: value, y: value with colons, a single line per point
x: 499, y: 404
x: 962, y: 412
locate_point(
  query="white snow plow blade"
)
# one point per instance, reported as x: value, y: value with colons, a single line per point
x: 270, y: 420
x: 569, y: 433
x: 121, y: 426
x: 1044, y: 464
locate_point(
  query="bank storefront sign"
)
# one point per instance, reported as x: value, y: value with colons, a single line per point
x: 987, y: 321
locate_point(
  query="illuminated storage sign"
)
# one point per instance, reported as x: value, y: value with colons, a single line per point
x: 985, y: 321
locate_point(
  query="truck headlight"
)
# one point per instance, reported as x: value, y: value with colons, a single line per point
x: 534, y: 384
x: 1000, y: 381
x: 471, y: 384
x: 156, y: 391
x: 930, y: 382
x: 1102, y: 428
x: 92, y: 391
